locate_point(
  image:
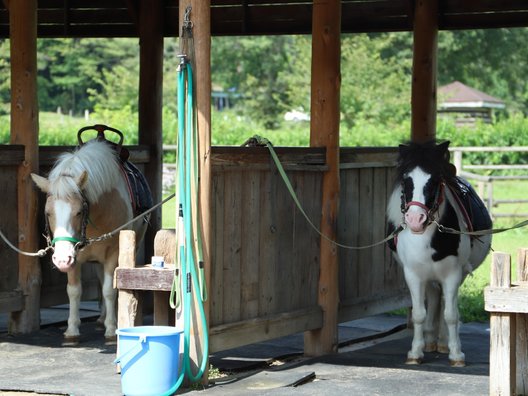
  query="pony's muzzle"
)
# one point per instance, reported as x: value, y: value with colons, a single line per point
x: 416, y: 220
x: 63, y: 256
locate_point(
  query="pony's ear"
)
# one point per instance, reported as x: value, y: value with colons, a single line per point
x: 403, y: 148
x: 82, y: 179
x: 444, y: 146
x: 41, y: 182
x: 443, y: 151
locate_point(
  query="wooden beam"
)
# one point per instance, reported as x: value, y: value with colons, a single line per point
x: 24, y: 131
x: 201, y: 19
x: 249, y: 331
x: 423, y: 96
x: 324, y: 132
x: 150, y: 104
x: 145, y: 278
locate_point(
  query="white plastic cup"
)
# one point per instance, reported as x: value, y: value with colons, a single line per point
x: 157, y: 261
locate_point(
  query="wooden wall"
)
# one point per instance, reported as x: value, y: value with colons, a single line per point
x: 265, y: 257
x: 11, y: 156
x: 371, y: 281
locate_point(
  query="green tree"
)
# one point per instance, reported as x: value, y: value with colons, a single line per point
x: 72, y: 71
x: 492, y: 60
x: 252, y: 66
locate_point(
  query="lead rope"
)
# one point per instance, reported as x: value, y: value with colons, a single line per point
x: 265, y: 142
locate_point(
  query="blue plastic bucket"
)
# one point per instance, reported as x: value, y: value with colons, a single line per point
x: 149, y: 358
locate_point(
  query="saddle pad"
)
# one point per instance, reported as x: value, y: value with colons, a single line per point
x: 139, y: 189
x: 478, y: 215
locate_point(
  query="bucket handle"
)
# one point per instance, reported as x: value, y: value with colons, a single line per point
x: 142, y: 340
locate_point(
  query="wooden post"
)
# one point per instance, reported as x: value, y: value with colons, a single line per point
x: 129, y: 306
x: 165, y: 246
x: 423, y: 97
x: 201, y: 19
x: 522, y: 328
x: 502, y: 333
x: 24, y: 130
x: 150, y: 104
x: 457, y: 161
x: 324, y: 132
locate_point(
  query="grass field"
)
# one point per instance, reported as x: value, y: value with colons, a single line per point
x: 471, y: 297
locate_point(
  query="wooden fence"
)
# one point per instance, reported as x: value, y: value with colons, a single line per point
x: 486, y: 183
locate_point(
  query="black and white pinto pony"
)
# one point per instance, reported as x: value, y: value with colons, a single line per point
x: 89, y: 193
x: 428, y: 194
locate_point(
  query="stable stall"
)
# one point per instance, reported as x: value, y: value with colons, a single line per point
x: 268, y: 274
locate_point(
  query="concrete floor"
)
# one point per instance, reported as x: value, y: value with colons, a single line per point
x: 369, y: 362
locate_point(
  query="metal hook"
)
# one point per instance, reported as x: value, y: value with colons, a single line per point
x: 187, y: 17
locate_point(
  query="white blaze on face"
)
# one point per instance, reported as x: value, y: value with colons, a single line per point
x: 63, y: 255
x: 416, y: 216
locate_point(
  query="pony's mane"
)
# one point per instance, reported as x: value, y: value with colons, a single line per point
x: 100, y: 162
x: 432, y: 158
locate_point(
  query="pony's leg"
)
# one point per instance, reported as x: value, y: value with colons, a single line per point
x: 100, y: 275
x: 417, y: 289
x: 450, y: 287
x: 74, y: 290
x: 433, y: 294
x: 443, y: 337
x: 110, y: 297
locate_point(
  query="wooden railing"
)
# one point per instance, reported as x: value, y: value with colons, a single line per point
x: 485, y: 183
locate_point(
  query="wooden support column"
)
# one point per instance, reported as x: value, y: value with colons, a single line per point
x: 423, y: 97
x: 150, y: 104
x: 24, y: 130
x: 324, y: 132
x: 201, y: 19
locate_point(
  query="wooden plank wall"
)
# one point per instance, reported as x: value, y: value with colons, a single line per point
x: 371, y: 281
x: 265, y: 258
x: 10, y: 159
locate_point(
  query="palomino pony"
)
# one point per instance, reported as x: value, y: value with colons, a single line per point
x: 88, y: 195
x: 428, y: 196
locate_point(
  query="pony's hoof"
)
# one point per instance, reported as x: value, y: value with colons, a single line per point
x: 432, y: 347
x: 70, y: 341
x: 99, y: 325
x: 111, y: 340
x: 442, y: 349
x: 413, y: 361
x: 457, y: 363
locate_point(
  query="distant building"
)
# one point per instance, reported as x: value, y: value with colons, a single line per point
x: 223, y: 100
x: 466, y: 104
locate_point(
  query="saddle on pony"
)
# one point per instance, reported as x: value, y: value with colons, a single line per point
x: 476, y: 215
x: 140, y: 195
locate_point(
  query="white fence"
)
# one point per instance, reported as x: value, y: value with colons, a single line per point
x: 486, y: 183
